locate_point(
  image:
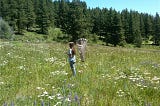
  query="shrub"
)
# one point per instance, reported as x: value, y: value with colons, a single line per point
x: 94, y: 38
x: 54, y: 33
x: 5, y: 30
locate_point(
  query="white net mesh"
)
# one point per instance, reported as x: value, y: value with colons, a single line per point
x: 82, y: 43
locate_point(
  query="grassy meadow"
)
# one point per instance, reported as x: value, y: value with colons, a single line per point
x: 38, y: 74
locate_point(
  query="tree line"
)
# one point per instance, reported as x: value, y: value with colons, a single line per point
x: 76, y: 20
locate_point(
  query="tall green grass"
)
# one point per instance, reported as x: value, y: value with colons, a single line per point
x: 38, y: 74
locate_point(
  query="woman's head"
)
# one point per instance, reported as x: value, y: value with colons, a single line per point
x: 71, y: 44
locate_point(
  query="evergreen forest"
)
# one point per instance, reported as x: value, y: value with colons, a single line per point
x: 75, y: 20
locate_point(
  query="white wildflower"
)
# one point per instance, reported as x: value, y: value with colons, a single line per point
x: 120, y: 93
x: 1, y: 83
x: 42, y: 95
x: 51, y: 97
x: 4, y: 63
x: 65, y: 73
x: 139, y: 85
x: 113, y: 67
x: 59, y: 73
x: 80, y: 71
x: 145, y: 86
x: 38, y: 88
x: 52, y: 59
x: 58, y: 94
x: 57, y: 103
x: 146, y: 73
x: 155, y: 88
x: 72, y: 85
x: 8, y: 54
x: 45, y: 93
x: 68, y: 100
x: 22, y: 67
x: 157, y: 82
x: 39, y: 96
x: 60, y: 97
x: 155, y: 78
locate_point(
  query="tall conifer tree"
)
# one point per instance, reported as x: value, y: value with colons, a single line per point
x: 157, y: 29
x: 30, y: 14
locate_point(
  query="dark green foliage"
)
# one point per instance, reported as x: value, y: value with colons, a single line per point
x: 157, y: 29
x: 44, y: 15
x: 21, y: 16
x: 75, y: 20
x: 30, y: 14
x: 142, y: 30
x: 114, y: 31
x: 138, y: 39
x: 62, y: 15
x: 71, y: 18
x: 11, y: 9
x: 100, y: 22
x: 125, y: 23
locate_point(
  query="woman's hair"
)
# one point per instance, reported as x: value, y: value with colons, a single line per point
x: 71, y: 45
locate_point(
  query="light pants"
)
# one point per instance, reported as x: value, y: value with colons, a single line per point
x: 73, y: 68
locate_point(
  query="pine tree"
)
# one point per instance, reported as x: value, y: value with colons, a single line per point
x: 137, y: 30
x: 3, y: 9
x: 157, y: 29
x: 96, y: 18
x: 42, y: 19
x: 11, y: 12
x: 56, y: 13
x: 21, y: 16
x: 104, y: 23
x: 147, y: 26
x: 76, y: 20
x: 114, y: 28
x: 2, y: 3
x: 30, y: 14
x: 62, y: 20
x: 125, y: 17
x: 50, y: 11
x: 142, y: 30
x: 130, y: 37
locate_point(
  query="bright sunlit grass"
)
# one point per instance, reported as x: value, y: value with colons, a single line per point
x: 37, y: 74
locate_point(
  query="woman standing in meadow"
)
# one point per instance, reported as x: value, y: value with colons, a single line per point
x: 72, y: 57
